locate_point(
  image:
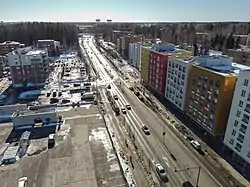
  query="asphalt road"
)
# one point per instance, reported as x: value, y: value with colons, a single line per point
x: 172, y: 154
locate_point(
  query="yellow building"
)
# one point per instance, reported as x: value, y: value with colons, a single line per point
x: 209, y: 94
x: 145, y: 60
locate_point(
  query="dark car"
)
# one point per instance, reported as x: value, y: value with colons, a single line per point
x: 187, y: 184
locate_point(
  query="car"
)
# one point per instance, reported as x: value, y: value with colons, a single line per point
x: 22, y: 182
x: 161, y: 172
x: 187, y: 184
x: 51, y: 141
x: 109, y: 86
x: 195, y: 144
x: 145, y: 129
x: 128, y: 107
x: 115, y: 97
x: 123, y: 110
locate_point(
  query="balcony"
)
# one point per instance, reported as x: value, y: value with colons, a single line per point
x: 247, y: 110
x: 245, y: 120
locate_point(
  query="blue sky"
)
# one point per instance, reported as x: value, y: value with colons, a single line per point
x: 125, y: 10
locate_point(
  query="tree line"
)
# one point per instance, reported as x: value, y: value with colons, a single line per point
x: 29, y: 32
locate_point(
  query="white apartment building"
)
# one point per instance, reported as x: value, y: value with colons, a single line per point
x: 237, y: 136
x: 177, y: 81
x: 135, y: 55
x: 28, y: 67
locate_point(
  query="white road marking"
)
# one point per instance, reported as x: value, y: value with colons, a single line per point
x: 166, y: 161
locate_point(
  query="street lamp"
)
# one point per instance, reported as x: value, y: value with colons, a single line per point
x: 188, y: 168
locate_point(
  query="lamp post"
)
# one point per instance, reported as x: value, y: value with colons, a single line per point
x: 188, y: 168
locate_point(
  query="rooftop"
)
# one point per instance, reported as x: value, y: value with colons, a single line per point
x: 167, y: 48
x: 48, y: 40
x: 32, y: 112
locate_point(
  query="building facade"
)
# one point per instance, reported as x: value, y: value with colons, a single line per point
x: 157, y: 71
x: 2, y: 65
x: 145, y: 61
x: 135, y: 55
x: 177, y: 81
x: 8, y: 46
x: 241, y: 56
x: 237, y: 136
x: 51, y: 46
x: 28, y: 67
x: 210, y: 92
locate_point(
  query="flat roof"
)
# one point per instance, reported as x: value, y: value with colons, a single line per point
x: 10, y: 153
x: 32, y: 112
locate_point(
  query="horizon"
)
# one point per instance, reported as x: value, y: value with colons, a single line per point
x: 125, y: 11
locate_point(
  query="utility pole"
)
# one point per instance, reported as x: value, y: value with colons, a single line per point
x: 198, y: 175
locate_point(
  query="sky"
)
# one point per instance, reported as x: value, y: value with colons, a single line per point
x: 125, y: 10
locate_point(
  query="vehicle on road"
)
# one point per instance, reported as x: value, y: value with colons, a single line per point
x: 109, y: 86
x: 128, y: 107
x: 123, y: 110
x: 22, y: 182
x: 131, y: 88
x: 161, y: 172
x: 145, y: 129
x: 51, y: 141
x: 195, y: 144
x: 187, y: 184
x: 141, y: 98
x: 115, y: 97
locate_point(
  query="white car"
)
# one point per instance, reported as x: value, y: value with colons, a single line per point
x: 22, y: 182
x: 161, y: 172
x: 145, y: 129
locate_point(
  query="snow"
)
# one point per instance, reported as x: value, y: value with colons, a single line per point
x: 100, y: 135
x: 125, y: 167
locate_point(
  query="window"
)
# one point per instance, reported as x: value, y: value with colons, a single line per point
x: 248, y: 154
x: 240, y: 103
x: 236, y: 123
x: 238, y: 147
x: 247, y: 109
x: 231, y: 141
x: 248, y: 98
x: 184, y: 69
x: 245, y: 82
x: 233, y: 132
x: 240, y: 138
x: 243, y: 93
x: 243, y: 128
x: 245, y: 118
x: 238, y: 113
x: 183, y: 76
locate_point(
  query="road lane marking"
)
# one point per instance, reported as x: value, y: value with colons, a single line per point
x: 166, y: 161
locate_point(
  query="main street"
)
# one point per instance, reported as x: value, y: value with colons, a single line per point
x: 156, y: 148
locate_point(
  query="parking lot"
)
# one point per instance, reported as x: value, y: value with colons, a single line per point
x: 82, y: 156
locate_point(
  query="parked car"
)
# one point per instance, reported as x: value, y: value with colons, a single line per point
x: 22, y: 182
x: 187, y: 184
x: 51, y: 141
x: 109, y: 86
x: 145, y: 129
x: 54, y: 100
x: 161, y: 172
x: 195, y: 144
x: 115, y: 97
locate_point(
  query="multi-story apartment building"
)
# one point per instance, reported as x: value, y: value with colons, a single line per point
x: 159, y: 63
x: 145, y: 60
x: 157, y: 71
x: 177, y: 81
x: 2, y: 65
x: 28, y: 67
x: 210, y: 91
x: 237, y: 136
x: 135, y: 55
x: 241, y: 56
x: 51, y: 46
x: 8, y: 46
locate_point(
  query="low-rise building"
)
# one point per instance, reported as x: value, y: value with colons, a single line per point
x: 28, y: 67
x: 51, y: 46
x: 210, y: 91
x: 177, y: 81
x: 241, y: 56
x: 8, y: 46
x: 237, y: 136
x: 35, y: 118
